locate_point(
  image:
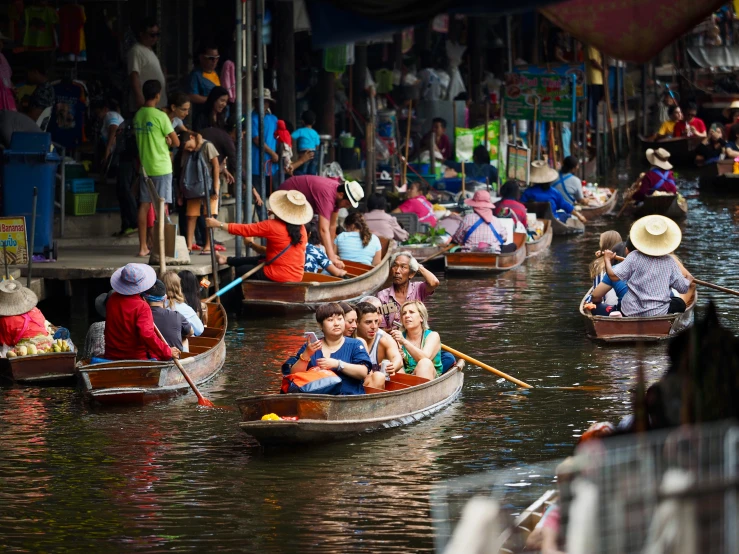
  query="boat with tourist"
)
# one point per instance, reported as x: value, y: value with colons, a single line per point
x: 638, y: 329
x: 681, y: 149
x: 487, y: 262
x: 318, y: 288
x: 719, y: 178
x: 543, y: 210
x: 320, y: 418
x: 140, y: 381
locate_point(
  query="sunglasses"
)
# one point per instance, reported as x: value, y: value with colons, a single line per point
x: 212, y: 58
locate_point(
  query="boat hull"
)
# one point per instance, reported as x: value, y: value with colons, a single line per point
x: 142, y: 381
x: 542, y: 245
x: 719, y: 178
x: 421, y: 253
x: 682, y: 149
x: 667, y: 205
x: 591, y: 213
x: 637, y: 329
x: 325, y: 418
x: 317, y: 288
x: 41, y: 369
x: 483, y: 262
x: 543, y: 210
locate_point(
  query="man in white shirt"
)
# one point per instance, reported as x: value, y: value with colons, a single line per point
x: 143, y: 64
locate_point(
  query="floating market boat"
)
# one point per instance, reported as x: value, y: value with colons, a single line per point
x: 593, y: 212
x: 673, y: 206
x: 635, y: 329
x: 40, y: 369
x: 541, y: 244
x: 325, y: 418
x: 681, y: 149
x: 139, y: 381
x: 423, y: 252
x: 543, y: 210
x: 515, y: 537
x: 317, y: 288
x: 487, y: 262
x: 719, y: 178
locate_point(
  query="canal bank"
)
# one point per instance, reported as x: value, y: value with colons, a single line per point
x: 173, y: 476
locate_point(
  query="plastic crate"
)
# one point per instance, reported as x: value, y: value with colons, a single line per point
x: 81, y: 204
x: 80, y: 186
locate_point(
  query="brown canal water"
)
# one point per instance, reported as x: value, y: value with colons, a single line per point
x: 177, y: 478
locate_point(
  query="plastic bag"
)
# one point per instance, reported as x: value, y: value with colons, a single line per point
x: 454, y: 53
x: 333, y: 170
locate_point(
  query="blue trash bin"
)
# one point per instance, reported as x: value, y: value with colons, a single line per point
x: 29, y: 163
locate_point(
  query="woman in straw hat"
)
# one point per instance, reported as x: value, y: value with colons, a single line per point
x: 542, y: 176
x: 129, y: 324
x: 650, y: 271
x: 481, y: 229
x: 285, y: 235
x: 659, y: 177
x: 19, y: 317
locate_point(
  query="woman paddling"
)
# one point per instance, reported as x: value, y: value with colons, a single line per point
x: 285, y: 234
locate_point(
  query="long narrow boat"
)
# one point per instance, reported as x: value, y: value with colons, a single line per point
x: 487, y: 262
x: 719, y: 178
x: 543, y: 210
x: 516, y: 537
x: 593, y: 212
x: 40, y: 369
x: 536, y: 247
x: 316, y: 288
x: 668, y: 205
x: 681, y: 149
x: 423, y: 252
x: 634, y: 329
x: 325, y: 418
x: 140, y: 381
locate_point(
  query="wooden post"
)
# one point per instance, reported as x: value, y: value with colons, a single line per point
x: 626, y: 112
x: 464, y: 178
x: 407, y: 139
x: 160, y: 226
x: 285, y: 55
x: 608, y: 113
x: 487, y: 120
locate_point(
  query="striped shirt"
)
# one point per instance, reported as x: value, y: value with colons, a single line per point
x: 649, y: 279
x: 351, y: 249
x: 481, y: 234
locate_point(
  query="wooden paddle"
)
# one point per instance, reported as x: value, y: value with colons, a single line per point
x: 201, y: 399
x: 513, y: 380
x: 235, y: 282
x: 439, y: 253
x: 696, y: 281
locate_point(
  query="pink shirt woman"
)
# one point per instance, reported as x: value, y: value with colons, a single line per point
x: 418, y: 204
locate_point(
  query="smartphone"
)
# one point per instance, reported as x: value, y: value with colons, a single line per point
x: 311, y: 337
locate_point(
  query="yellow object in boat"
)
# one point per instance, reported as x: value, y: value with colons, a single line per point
x: 271, y: 417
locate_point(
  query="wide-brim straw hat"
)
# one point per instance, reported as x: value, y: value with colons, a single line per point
x: 133, y: 279
x: 15, y: 299
x: 655, y: 235
x: 291, y: 206
x: 659, y: 158
x: 481, y: 199
x: 541, y: 173
x: 354, y: 192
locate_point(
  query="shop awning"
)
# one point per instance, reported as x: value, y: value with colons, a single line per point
x: 633, y: 30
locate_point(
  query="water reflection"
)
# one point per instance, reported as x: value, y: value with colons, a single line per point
x: 179, y: 478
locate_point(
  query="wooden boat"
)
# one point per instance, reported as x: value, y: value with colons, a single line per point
x: 634, y: 329
x: 681, y: 149
x: 543, y: 210
x: 424, y: 251
x: 325, y: 418
x: 40, y: 369
x: 536, y: 247
x: 719, y: 177
x: 317, y: 288
x: 487, y: 262
x: 515, y: 538
x: 593, y: 212
x: 668, y: 205
x: 139, y: 381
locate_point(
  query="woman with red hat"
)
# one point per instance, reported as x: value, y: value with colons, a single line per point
x: 481, y: 229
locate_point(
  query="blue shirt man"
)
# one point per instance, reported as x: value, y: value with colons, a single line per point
x: 306, y: 139
x: 270, y: 142
x: 544, y: 193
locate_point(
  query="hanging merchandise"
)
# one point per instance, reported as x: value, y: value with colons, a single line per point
x: 68, y: 114
x: 440, y: 24
x: 267, y: 28
x: 334, y: 59
x: 384, y: 78
x: 40, y: 21
x: 454, y: 53
x: 407, y: 40
x: 466, y: 140
x: 72, y: 45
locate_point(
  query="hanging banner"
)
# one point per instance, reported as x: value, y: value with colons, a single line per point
x: 554, y: 96
x: 13, y: 240
x: 466, y: 140
x: 563, y: 69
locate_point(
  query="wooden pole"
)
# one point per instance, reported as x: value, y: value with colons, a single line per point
x: 607, y: 96
x: 160, y: 226
x: 626, y: 112
x: 407, y: 139
x: 32, y: 238
x: 463, y: 180
x: 487, y: 120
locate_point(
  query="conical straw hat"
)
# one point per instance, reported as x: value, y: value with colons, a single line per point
x: 15, y: 299
x: 291, y: 206
x: 542, y: 173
